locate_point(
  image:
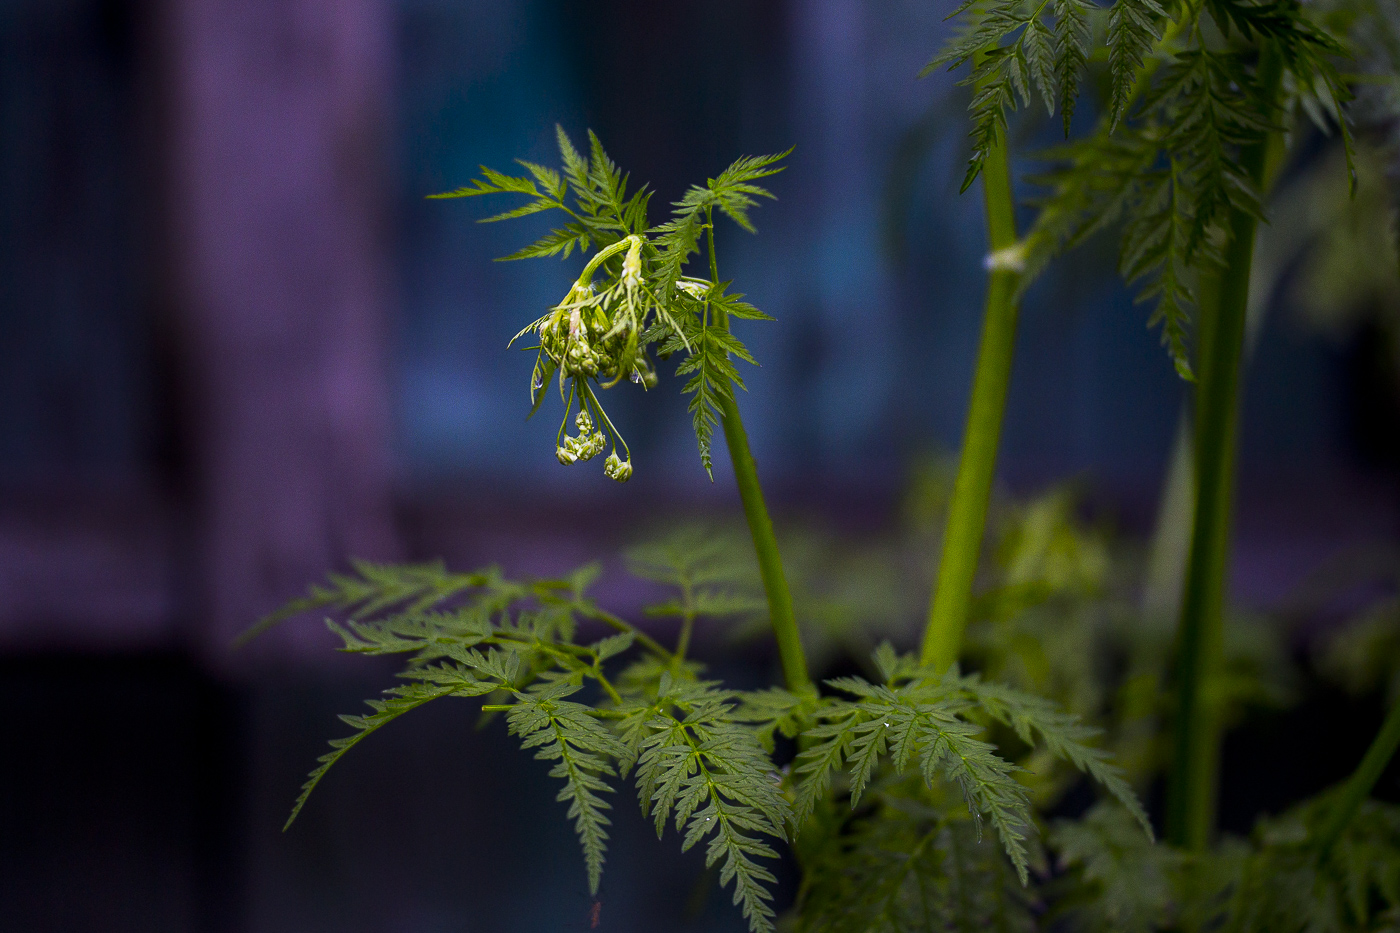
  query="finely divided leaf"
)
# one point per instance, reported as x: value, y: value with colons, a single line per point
x: 709, y: 774
x: 400, y: 700
x: 567, y: 733
x: 734, y: 191
x: 916, y: 730
x: 375, y: 587
x: 1132, y: 31
x: 1063, y: 734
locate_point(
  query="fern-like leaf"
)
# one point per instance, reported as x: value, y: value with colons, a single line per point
x: 708, y: 773
x: 1132, y: 31
x: 920, y: 717
x: 400, y: 700
x: 1072, y: 41
x: 923, y: 729
x: 907, y: 866
x: 1063, y: 735
x: 734, y: 191
x: 713, y: 377
x: 1118, y: 880
x: 374, y: 587
x: 567, y: 733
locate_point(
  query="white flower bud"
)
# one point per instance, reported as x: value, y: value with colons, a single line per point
x: 591, y: 446
x: 616, y: 468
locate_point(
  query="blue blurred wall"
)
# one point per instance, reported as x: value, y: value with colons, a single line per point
x: 870, y: 260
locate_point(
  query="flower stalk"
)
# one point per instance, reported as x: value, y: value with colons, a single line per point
x: 765, y: 542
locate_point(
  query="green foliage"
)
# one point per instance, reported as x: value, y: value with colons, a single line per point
x: 602, y: 213
x: 894, y: 774
x: 909, y: 861
x: 1057, y: 615
x: 1275, y: 882
x: 1064, y: 736
x: 695, y: 763
x: 1117, y: 880
x: 472, y: 635
x: 696, y: 758
x: 373, y: 588
x: 598, y: 336
x: 702, y: 756
x: 882, y: 785
x: 1372, y: 28
x: 850, y: 593
x: 1022, y: 48
x: 915, y: 730
x: 566, y: 732
x: 917, y: 717
x: 1134, y: 27
x: 711, y: 573
x: 401, y: 700
x: 1186, y: 91
x: 713, y: 375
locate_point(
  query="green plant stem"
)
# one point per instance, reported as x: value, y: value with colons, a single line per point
x: 604, y: 254
x: 1191, y: 782
x: 765, y: 542
x: 1358, y: 786
x: 606, y: 685
x: 967, y: 514
x: 1171, y: 540
x: 687, y: 626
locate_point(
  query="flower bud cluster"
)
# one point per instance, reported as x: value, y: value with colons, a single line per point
x: 587, y: 342
x: 585, y: 446
x: 596, y: 334
x: 616, y: 468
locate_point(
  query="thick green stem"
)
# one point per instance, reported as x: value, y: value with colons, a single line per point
x: 765, y: 542
x: 967, y: 514
x: 1358, y: 786
x: 1191, y: 786
x: 1171, y: 541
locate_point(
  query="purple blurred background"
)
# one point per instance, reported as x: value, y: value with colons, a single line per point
x: 237, y: 348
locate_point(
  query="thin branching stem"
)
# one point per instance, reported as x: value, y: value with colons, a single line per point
x: 765, y: 542
x: 1358, y: 786
x: 967, y: 513
x: 687, y: 619
x: 606, y: 684
x: 621, y: 625
x: 1191, y: 783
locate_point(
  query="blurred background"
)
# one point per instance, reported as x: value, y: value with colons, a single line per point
x: 238, y: 348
